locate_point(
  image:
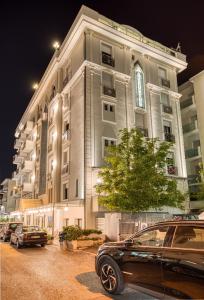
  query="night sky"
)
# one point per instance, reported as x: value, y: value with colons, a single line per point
x: 28, y: 28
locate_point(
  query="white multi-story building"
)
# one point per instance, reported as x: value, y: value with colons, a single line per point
x: 7, y: 191
x: 192, y: 107
x: 104, y: 77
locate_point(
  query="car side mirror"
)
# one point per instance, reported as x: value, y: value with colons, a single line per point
x: 128, y: 243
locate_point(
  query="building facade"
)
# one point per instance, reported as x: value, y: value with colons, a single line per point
x: 7, y: 199
x: 192, y: 107
x: 104, y: 77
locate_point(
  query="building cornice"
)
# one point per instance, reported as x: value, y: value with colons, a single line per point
x: 159, y: 89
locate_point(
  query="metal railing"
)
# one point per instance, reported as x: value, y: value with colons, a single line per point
x: 107, y: 59
x: 169, y: 137
x: 191, y: 152
x: 189, y: 127
x: 186, y: 103
x: 167, y: 109
x: 109, y: 91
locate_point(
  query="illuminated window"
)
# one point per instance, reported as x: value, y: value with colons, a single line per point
x: 139, y: 87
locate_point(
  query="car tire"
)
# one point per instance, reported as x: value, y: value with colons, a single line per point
x: 111, y: 276
x: 18, y: 246
x: 42, y: 245
x: 4, y: 238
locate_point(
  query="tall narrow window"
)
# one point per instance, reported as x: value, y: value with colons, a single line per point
x: 139, y: 87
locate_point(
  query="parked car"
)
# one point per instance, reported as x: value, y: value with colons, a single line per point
x: 28, y: 235
x: 6, y: 230
x: 167, y: 258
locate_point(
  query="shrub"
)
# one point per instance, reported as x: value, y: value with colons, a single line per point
x: 72, y: 232
x: 87, y: 232
x: 50, y: 237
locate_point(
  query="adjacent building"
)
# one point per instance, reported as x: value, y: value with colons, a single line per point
x: 192, y: 107
x: 104, y: 77
x: 7, y: 195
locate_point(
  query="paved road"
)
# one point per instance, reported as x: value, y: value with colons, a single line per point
x: 52, y: 274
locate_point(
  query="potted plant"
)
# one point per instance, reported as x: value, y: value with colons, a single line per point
x: 71, y: 234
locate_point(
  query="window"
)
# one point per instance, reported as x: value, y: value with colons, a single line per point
x: 162, y: 73
x: 165, y: 99
x: 28, y: 217
x: 107, y: 142
x: 77, y: 188
x: 139, y: 87
x: 65, y: 155
x: 108, y: 112
x: 65, y: 191
x: 189, y: 237
x: 163, y: 78
x: 78, y: 222
x: 106, y: 52
x: 66, y: 222
x: 170, y: 161
x: 168, y: 136
x: 50, y: 195
x: 152, y: 238
x: 108, y: 84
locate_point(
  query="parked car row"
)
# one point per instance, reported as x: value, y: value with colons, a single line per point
x: 21, y: 235
x: 167, y: 258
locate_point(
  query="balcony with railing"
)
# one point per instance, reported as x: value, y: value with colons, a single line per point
x: 172, y: 170
x: 49, y: 176
x: 17, y: 159
x: 169, y: 137
x: 50, y: 121
x: 50, y: 147
x: 65, y: 169
x: 109, y: 91
x: 186, y: 103
x: 165, y: 82
x: 108, y: 59
x: 189, y: 127
x: 28, y: 127
x: 194, y: 152
x: 27, y: 146
x: 27, y: 166
x: 167, y: 109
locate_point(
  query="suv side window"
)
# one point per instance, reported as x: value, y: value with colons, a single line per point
x: 152, y: 238
x: 189, y: 237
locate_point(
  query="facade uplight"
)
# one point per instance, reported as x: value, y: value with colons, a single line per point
x: 56, y: 45
x: 35, y: 86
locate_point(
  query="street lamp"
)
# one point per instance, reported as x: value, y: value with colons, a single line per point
x: 35, y: 86
x: 56, y: 45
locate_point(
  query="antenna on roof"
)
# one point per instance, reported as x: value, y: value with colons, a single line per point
x: 178, y: 48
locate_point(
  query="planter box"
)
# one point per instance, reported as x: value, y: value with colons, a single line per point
x: 84, y: 243
x: 71, y: 245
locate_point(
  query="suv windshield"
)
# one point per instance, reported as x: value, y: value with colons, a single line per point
x: 30, y: 228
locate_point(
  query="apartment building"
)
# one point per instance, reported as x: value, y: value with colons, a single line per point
x: 192, y: 107
x: 7, y: 191
x: 104, y: 77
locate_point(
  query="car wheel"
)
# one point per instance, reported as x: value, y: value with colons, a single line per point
x: 42, y: 245
x: 18, y: 246
x: 111, y: 276
x: 4, y: 238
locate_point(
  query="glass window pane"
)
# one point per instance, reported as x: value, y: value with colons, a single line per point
x: 153, y: 238
x: 139, y: 87
x: 189, y: 237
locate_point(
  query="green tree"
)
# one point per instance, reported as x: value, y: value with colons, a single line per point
x: 134, y: 178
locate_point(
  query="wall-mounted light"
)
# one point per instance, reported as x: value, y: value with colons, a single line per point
x: 56, y: 45
x: 35, y: 86
x: 98, y: 181
x: 66, y: 208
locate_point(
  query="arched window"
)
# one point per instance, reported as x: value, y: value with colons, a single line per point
x: 139, y: 86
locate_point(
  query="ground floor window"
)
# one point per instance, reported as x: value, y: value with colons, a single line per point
x: 78, y: 222
x: 66, y: 222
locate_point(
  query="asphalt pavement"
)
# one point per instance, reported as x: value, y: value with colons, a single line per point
x: 36, y: 273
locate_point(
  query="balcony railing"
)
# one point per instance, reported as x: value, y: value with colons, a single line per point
x: 172, y: 170
x: 28, y: 127
x: 189, y: 127
x: 143, y: 131
x: 107, y: 59
x: 27, y: 146
x: 167, y: 109
x: 189, y: 153
x: 17, y: 159
x: 65, y: 169
x: 27, y: 166
x: 186, y: 103
x: 49, y: 176
x: 165, y: 82
x: 194, y: 179
x: 169, y: 137
x: 109, y: 91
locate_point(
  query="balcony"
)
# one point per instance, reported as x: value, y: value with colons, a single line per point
x: 49, y: 176
x: 172, y: 170
x: 66, y: 136
x: 27, y: 166
x: 169, y: 137
x: 107, y: 59
x: 143, y: 131
x: 17, y: 159
x: 186, y: 103
x: 190, y: 127
x: 28, y: 127
x: 194, y: 152
x: 109, y: 91
x: 27, y: 187
x: 65, y: 169
x: 28, y: 146
x: 165, y: 82
x: 194, y: 179
x: 167, y: 109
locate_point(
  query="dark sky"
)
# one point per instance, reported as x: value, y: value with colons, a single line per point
x: 27, y: 29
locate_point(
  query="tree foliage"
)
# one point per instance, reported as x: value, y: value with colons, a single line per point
x: 134, y: 177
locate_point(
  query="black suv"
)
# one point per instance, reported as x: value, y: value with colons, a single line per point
x: 167, y: 258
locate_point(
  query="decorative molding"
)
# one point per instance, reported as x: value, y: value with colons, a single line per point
x: 159, y: 89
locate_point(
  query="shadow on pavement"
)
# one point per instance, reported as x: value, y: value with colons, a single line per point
x: 92, y: 282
